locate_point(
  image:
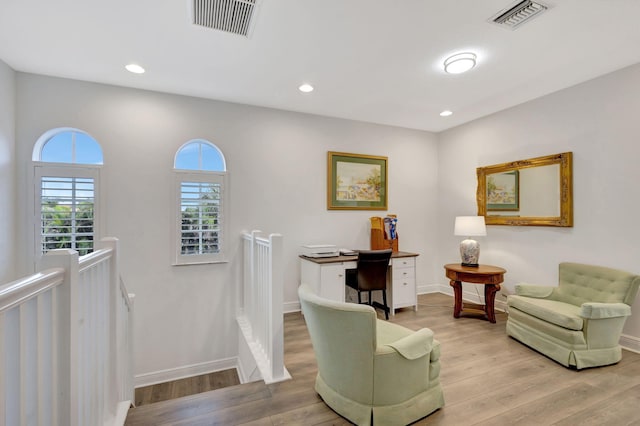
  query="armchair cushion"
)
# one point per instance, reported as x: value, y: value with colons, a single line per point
x: 558, y: 313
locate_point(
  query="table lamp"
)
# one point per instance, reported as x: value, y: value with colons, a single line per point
x: 470, y: 226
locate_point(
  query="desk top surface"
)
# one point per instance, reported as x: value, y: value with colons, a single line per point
x: 337, y: 259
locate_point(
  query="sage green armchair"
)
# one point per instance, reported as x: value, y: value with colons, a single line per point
x: 371, y: 371
x: 579, y: 322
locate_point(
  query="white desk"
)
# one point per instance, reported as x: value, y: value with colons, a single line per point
x: 326, y: 276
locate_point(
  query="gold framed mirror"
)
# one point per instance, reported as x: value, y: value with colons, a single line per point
x: 533, y: 192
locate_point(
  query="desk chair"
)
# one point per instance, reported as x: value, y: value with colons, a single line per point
x: 371, y: 275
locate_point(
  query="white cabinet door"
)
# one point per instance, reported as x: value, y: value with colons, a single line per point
x: 332, y: 282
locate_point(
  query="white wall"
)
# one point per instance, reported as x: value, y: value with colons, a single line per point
x: 7, y: 174
x: 598, y: 121
x: 277, y: 163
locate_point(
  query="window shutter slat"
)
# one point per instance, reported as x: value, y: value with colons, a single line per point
x: 200, y: 204
x: 67, y: 216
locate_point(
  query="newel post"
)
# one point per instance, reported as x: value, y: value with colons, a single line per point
x: 67, y: 323
x: 276, y: 264
x: 113, y: 376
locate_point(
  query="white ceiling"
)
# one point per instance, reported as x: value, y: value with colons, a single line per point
x: 371, y: 60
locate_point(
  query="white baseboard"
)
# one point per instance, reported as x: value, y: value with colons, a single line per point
x: 162, y: 376
x: 469, y: 296
x: 254, y: 363
x: 248, y: 370
x: 428, y: 288
x: 289, y: 307
x: 630, y: 343
x: 121, y: 413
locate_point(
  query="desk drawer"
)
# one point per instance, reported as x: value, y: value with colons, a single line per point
x: 404, y: 273
x: 404, y: 262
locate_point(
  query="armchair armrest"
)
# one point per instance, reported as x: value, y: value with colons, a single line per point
x: 414, y: 345
x: 593, y: 310
x: 532, y: 290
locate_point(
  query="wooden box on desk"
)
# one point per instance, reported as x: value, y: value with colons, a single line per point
x: 378, y: 242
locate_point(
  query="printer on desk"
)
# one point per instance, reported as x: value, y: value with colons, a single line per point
x: 326, y: 250
x: 320, y: 250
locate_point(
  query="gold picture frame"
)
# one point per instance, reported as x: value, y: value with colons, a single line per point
x: 561, y: 189
x: 356, y: 181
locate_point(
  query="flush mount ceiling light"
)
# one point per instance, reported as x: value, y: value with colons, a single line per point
x: 135, y: 68
x: 445, y: 113
x: 306, y: 88
x: 460, y: 62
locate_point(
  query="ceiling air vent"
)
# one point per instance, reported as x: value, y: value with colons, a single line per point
x: 233, y: 16
x: 518, y: 14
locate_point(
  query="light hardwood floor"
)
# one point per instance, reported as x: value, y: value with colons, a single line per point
x: 487, y: 377
x: 187, y: 386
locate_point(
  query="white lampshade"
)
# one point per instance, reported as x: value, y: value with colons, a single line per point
x: 470, y: 226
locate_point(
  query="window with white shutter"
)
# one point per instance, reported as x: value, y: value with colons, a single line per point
x: 66, y: 213
x: 66, y: 176
x: 200, y: 181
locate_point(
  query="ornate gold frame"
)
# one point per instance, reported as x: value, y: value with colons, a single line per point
x: 565, y: 160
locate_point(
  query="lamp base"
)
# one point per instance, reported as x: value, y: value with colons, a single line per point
x: 471, y: 265
x: 469, y: 252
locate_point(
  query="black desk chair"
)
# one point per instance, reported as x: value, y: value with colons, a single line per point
x: 371, y: 275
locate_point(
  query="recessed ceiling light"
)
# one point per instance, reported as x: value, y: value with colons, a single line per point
x: 445, y: 113
x: 460, y: 62
x: 135, y: 68
x: 306, y: 88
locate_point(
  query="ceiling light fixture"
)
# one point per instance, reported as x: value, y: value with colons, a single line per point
x: 460, y: 62
x: 135, y: 68
x: 306, y: 88
x: 445, y: 113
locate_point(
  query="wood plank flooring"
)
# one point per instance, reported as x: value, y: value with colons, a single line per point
x: 185, y: 387
x: 487, y: 377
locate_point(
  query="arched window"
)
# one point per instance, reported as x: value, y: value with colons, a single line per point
x: 200, y: 187
x: 66, y: 169
x: 199, y: 154
x: 67, y: 145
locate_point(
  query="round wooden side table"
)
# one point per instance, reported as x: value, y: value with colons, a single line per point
x: 489, y: 276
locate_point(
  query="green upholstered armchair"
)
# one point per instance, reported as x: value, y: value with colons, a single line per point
x: 371, y: 371
x: 579, y: 322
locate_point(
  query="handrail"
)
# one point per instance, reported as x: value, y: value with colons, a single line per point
x: 21, y: 290
x: 93, y: 258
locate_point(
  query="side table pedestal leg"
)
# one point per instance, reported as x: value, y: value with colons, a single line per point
x: 489, y: 300
x: 457, y: 291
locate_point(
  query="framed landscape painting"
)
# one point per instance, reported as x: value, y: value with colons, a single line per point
x: 503, y: 191
x: 356, y: 182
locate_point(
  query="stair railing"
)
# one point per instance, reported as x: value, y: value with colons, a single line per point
x: 65, y: 342
x: 260, y: 314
